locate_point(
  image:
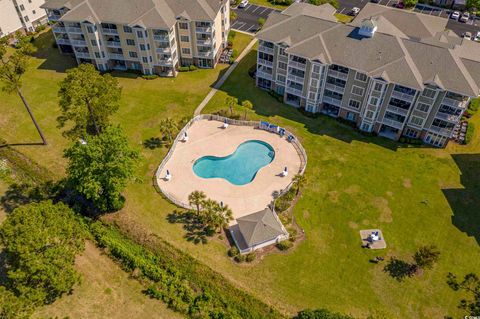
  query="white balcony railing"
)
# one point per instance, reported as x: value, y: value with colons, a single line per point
x: 74, y: 30
x: 331, y: 100
x: 448, y: 117
x: 294, y: 91
x: 337, y: 75
x: 114, y: 44
x: 163, y: 50
x: 265, y: 49
x: 265, y: 62
x: 205, y: 54
x: 203, y: 29
x: 204, y: 42
x: 57, y: 29
x: 295, y: 78
x: 297, y: 65
x: 397, y: 110
x: 63, y: 41
x: 393, y: 123
x: 165, y: 62
x: 442, y: 131
x: 264, y: 75
x: 402, y: 96
x: 84, y: 55
x: 116, y: 56
x: 109, y: 31
x: 162, y: 38
x: 334, y: 88
x: 53, y: 17
x: 454, y: 103
x: 78, y: 43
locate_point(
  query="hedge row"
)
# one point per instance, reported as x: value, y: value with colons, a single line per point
x: 187, y: 286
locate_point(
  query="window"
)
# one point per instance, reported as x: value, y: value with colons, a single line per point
x: 282, y: 65
x: 140, y: 34
x: 150, y: 58
x: 374, y: 100
x: 361, y: 77
x: 130, y: 42
x: 369, y: 115
x: 316, y: 68
x: 416, y: 120
x: 103, y: 54
x: 354, y: 104
x: 281, y: 78
x: 142, y: 47
x: 185, y: 51
x: 183, y: 25
x: 429, y: 93
x: 184, y: 38
x: 423, y: 107
x: 94, y: 42
x: 127, y: 29
x: 144, y: 59
x: 22, y: 7
x: 378, y: 87
x: 26, y: 18
x: 133, y: 54
x: 90, y: 29
x: 281, y: 51
x: 97, y: 55
x: 357, y: 90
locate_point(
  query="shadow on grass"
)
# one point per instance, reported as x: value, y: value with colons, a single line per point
x: 22, y: 194
x: 242, y: 86
x: 153, y: 143
x: 196, y: 232
x: 465, y: 202
x: 21, y: 144
x: 53, y: 59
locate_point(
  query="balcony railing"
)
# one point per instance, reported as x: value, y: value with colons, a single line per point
x: 57, y: 29
x: 265, y: 62
x: 203, y: 29
x: 454, y: 103
x: 114, y: 44
x: 397, y: 110
x: 265, y: 49
x: 78, y: 43
x: 84, y: 55
x: 402, y: 96
x: 74, y: 30
x: 337, y: 75
x: 109, y: 31
x: 116, y: 56
x: 165, y: 62
x: 295, y: 78
x: 393, y: 123
x: 448, y: 117
x: 297, y: 65
x: 264, y: 75
x: 442, y: 131
x: 54, y: 17
x: 163, y: 50
x: 63, y: 41
x: 331, y: 100
x: 334, y: 88
x: 204, y: 42
x: 163, y: 38
x: 205, y: 54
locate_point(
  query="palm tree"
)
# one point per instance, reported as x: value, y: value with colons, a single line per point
x: 299, y: 180
x: 231, y: 102
x: 248, y: 106
x: 224, y: 216
x: 197, y: 198
x: 12, y: 68
x: 168, y: 128
x: 208, y: 216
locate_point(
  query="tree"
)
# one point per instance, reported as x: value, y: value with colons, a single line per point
x: 169, y: 129
x: 399, y: 269
x: 261, y: 22
x: 100, y: 168
x: 196, y: 198
x: 13, y: 67
x: 299, y: 180
x: 231, y: 102
x: 320, y: 314
x: 426, y: 256
x: 13, y: 307
x: 87, y: 99
x: 233, y: 15
x: 40, y: 243
x: 471, y: 285
x: 248, y: 106
x: 410, y: 3
x: 224, y: 216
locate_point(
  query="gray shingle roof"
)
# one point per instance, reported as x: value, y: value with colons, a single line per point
x: 407, y: 49
x: 259, y: 227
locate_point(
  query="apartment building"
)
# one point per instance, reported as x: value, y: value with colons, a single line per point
x: 392, y: 72
x: 17, y: 15
x: 151, y: 36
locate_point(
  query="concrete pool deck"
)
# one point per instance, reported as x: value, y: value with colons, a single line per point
x: 207, y: 137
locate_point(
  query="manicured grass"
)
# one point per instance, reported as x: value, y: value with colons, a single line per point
x: 241, y: 41
x: 267, y: 3
x: 343, y: 18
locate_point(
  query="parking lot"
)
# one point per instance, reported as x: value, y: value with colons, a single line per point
x: 247, y: 18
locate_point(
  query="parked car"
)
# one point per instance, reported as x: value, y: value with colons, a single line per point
x: 400, y: 5
x: 354, y: 11
x: 243, y: 4
x: 455, y: 15
x: 375, y: 1
x: 467, y: 35
x: 465, y: 16
x: 477, y: 36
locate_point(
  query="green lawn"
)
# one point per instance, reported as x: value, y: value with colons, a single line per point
x: 415, y: 195
x: 267, y: 3
x: 343, y: 18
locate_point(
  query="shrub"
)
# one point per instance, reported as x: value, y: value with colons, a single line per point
x: 40, y: 28
x: 320, y: 314
x: 293, y: 233
x: 250, y: 257
x: 473, y: 106
x: 470, y: 133
x: 184, y: 69
x: 240, y: 258
x: 284, y: 245
x: 233, y: 251
x: 234, y: 53
x: 150, y: 77
x: 192, y: 67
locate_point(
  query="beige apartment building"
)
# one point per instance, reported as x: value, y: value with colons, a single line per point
x: 21, y: 15
x: 151, y: 36
x: 390, y: 71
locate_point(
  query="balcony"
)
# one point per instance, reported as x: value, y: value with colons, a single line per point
x: 397, y: 110
x: 74, y: 30
x: 334, y: 88
x: 207, y: 42
x: 297, y: 65
x: 114, y: 44
x: 54, y: 17
x: 448, y: 117
x: 403, y: 96
x: 393, y: 123
x: 63, y: 41
x: 162, y: 38
x: 109, y: 31
x: 265, y: 49
x: 331, y: 100
x: 203, y: 29
x: 58, y: 29
x: 78, y: 43
x: 338, y: 75
x: 454, y: 103
x: 84, y: 55
x: 163, y: 50
x: 442, y: 131
x: 166, y: 62
x: 295, y: 78
x: 116, y: 56
x: 264, y: 75
x: 265, y: 62
x: 205, y: 54
x: 293, y: 91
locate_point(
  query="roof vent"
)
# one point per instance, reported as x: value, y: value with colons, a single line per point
x: 368, y: 27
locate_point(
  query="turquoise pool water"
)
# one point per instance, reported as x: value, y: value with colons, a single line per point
x: 240, y: 167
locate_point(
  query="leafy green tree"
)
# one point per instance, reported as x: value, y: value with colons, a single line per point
x: 223, y: 216
x: 471, y: 285
x: 100, y: 168
x: 87, y: 99
x: 299, y: 180
x: 196, y: 198
x: 40, y: 243
x: 320, y: 314
x: 261, y: 22
x: 13, y: 67
x: 334, y: 3
x: 13, y: 307
x: 410, y: 3
x: 247, y: 105
x: 231, y: 103
x: 426, y: 256
x: 169, y: 129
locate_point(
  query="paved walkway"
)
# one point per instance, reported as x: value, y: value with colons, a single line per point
x: 224, y: 77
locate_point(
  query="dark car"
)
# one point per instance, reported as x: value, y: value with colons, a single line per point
x: 400, y: 5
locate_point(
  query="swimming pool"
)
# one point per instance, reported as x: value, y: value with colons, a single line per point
x: 240, y: 167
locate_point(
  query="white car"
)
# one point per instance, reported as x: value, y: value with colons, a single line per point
x: 477, y: 36
x: 243, y: 4
x: 467, y: 35
x: 455, y: 15
x: 354, y: 11
x: 465, y: 16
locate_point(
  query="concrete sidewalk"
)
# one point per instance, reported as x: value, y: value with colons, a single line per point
x: 224, y: 77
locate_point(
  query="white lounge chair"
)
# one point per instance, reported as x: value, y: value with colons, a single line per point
x: 168, y: 176
x: 285, y: 172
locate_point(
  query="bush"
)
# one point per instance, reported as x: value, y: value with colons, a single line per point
x: 233, y: 251
x: 284, y: 245
x: 320, y: 314
x: 40, y: 28
x: 250, y: 257
x: 282, y: 2
x: 234, y: 53
x: 470, y: 133
x: 473, y: 106
x: 184, y: 69
x: 150, y: 77
x: 192, y: 67
x: 293, y: 234
x: 240, y: 258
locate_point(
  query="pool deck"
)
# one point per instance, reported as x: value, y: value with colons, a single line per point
x: 209, y: 138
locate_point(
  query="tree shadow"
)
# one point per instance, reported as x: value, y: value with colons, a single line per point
x: 21, y: 144
x: 53, y: 59
x: 153, y: 143
x: 399, y: 269
x: 22, y: 194
x: 465, y: 202
x: 196, y: 232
